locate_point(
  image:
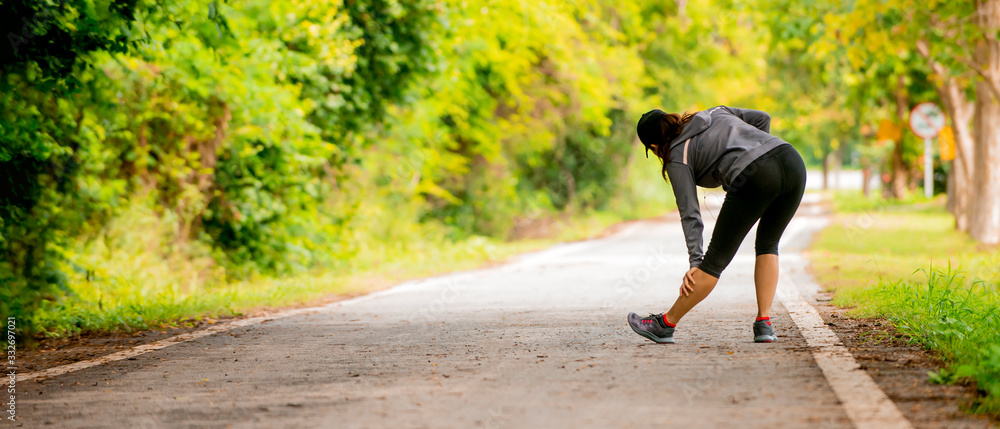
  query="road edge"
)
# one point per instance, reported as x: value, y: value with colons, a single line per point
x: 862, y: 399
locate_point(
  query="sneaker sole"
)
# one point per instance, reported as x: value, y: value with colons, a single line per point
x: 654, y: 338
x: 765, y: 339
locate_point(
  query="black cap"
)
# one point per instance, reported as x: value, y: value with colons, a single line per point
x: 649, y: 128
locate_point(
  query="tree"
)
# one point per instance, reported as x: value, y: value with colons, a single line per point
x: 811, y: 82
x: 222, y: 117
x: 984, y: 208
x: 957, y: 42
x: 49, y: 93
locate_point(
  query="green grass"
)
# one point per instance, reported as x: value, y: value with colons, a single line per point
x: 905, y: 262
x: 853, y: 202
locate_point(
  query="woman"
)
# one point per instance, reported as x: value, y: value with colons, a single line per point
x: 764, y: 178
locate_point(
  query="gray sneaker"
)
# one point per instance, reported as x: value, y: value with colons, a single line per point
x: 651, y: 327
x: 762, y: 332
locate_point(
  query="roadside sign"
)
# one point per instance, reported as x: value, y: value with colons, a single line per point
x: 888, y: 131
x: 946, y: 141
x: 926, y: 120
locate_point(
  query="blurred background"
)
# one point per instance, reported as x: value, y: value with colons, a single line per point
x: 166, y: 160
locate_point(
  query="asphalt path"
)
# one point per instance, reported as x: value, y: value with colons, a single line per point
x: 539, y: 342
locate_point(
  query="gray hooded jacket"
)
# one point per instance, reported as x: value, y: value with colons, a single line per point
x: 711, y: 151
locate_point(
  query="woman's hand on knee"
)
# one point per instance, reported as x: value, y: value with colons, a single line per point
x: 687, y: 283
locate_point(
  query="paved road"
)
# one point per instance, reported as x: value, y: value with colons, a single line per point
x: 541, y: 342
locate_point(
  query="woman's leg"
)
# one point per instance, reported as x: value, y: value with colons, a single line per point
x: 772, y: 226
x: 703, y: 285
x: 765, y: 279
x: 740, y: 210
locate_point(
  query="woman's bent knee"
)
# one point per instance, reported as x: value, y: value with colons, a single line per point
x: 770, y: 250
x: 711, y: 270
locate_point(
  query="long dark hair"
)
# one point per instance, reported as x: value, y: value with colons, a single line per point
x: 671, y: 125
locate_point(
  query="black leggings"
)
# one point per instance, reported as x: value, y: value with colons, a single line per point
x: 769, y: 189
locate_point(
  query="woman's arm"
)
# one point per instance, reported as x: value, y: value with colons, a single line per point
x: 757, y: 118
x: 686, y: 193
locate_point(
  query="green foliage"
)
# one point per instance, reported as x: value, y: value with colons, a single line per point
x: 47, y: 42
x: 523, y: 117
x: 213, y: 126
x: 841, y: 65
x: 51, y: 102
x: 169, y: 150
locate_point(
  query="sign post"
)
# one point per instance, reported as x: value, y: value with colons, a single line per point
x: 926, y: 121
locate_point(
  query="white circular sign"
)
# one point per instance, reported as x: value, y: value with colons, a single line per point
x: 926, y: 120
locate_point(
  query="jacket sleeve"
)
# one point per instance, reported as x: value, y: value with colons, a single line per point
x: 760, y: 120
x: 686, y: 193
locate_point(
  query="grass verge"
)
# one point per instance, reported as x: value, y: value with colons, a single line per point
x: 904, y: 261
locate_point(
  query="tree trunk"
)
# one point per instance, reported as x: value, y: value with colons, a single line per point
x: 950, y: 191
x: 826, y: 170
x: 960, y: 110
x: 915, y: 173
x: 984, y: 209
x: 866, y: 176
x: 191, y: 208
x: 900, y: 174
x: 899, y: 170
x: 838, y: 160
